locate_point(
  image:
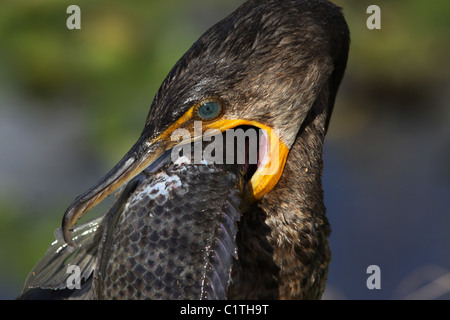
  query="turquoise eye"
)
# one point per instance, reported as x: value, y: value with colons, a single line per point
x: 209, y: 110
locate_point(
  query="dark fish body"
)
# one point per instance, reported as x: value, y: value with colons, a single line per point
x: 175, y: 237
x: 170, y: 235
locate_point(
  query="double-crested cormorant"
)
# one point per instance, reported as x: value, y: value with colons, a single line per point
x: 274, y: 65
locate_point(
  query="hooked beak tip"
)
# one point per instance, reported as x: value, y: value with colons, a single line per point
x: 69, y: 220
x: 127, y: 168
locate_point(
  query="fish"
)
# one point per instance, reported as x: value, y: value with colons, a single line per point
x: 169, y: 235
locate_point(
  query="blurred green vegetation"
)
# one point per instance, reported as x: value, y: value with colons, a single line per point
x: 109, y: 71
x: 121, y: 48
x: 395, y: 70
x: 412, y: 42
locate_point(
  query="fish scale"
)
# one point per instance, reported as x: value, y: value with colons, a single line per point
x: 175, y: 238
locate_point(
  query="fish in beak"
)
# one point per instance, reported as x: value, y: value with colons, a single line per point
x: 171, y: 234
x: 148, y: 152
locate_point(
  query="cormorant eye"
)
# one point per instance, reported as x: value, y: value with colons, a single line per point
x: 209, y: 109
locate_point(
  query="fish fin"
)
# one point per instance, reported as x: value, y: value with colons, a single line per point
x: 52, y: 273
x: 218, y: 278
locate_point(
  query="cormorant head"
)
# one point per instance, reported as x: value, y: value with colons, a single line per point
x: 263, y: 66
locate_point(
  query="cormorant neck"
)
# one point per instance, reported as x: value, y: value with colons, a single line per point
x: 296, y: 211
x: 284, y: 238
